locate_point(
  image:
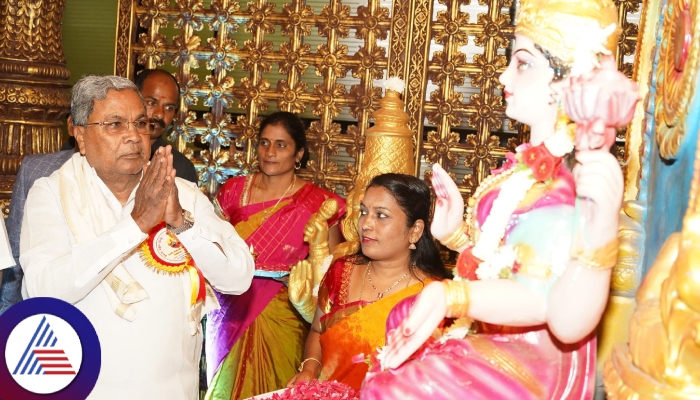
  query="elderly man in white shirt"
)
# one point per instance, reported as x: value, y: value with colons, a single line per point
x: 132, y: 246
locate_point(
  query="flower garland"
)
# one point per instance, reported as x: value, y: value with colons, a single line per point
x: 530, y: 164
x: 315, y: 389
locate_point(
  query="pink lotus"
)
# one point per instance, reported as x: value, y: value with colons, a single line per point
x: 599, y: 102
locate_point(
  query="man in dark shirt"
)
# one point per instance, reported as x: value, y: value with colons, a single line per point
x: 161, y: 93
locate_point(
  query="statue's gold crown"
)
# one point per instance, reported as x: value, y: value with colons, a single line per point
x: 562, y: 27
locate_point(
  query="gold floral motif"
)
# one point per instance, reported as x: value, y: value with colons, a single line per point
x: 485, y: 110
x: 189, y: 14
x: 494, y: 29
x: 214, y: 167
x: 323, y: 136
x: 447, y: 109
x: 330, y: 60
x: 628, y: 38
x: 245, y: 130
x: 152, y: 49
x: 292, y: 62
x: 371, y: 61
x: 490, y: 70
x: 221, y: 54
x: 154, y: 17
x: 327, y: 99
x: 375, y: 23
x: 295, y: 18
x: 481, y: 153
x: 252, y: 94
x: 440, y: 149
x: 257, y: 56
x: 220, y: 91
x: 355, y: 148
x: 452, y: 28
x: 224, y: 15
x: 259, y: 17
x: 185, y: 55
x: 292, y: 97
x: 332, y: 19
x: 185, y: 129
x: 449, y: 68
x: 217, y: 130
x: 364, y: 100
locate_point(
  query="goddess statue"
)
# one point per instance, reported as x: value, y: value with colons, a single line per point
x: 540, y: 236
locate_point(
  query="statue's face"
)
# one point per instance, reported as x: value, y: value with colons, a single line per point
x: 531, y: 96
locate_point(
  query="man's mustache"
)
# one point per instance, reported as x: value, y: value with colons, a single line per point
x: 157, y: 122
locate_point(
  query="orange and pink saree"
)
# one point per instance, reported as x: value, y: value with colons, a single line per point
x: 255, y: 342
x: 352, y: 328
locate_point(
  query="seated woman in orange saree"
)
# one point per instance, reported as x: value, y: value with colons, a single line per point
x: 255, y: 341
x: 397, y: 258
x: 351, y: 328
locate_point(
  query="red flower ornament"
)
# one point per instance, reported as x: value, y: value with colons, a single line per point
x: 467, y: 265
x: 542, y: 163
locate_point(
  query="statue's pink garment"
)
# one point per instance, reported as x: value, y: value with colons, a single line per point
x: 480, y: 367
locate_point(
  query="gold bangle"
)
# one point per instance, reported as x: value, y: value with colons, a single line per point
x: 301, y: 367
x: 601, y: 258
x: 457, y: 298
x: 457, y: 239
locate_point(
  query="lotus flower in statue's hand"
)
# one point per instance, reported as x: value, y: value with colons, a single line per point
x: 599, y: 102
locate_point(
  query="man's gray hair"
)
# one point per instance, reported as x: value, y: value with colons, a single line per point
x: 93, y: 87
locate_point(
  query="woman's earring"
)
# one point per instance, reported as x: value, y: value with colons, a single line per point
x: 412, y: 246
x: 297, y: 165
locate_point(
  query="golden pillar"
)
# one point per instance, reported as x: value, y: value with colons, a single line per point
x: 388, y: 148
x: 34, y: 93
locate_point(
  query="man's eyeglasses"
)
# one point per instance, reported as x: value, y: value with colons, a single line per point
x: 115, y: 127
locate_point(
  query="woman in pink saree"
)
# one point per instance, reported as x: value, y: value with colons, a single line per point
x: 540, y: 237
x: 256, y: 340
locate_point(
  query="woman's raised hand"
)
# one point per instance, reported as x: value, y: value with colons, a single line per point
x: 420, y: 323
x: 449, y: 207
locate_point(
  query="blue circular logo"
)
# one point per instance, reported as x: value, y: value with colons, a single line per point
x: 51, y: 351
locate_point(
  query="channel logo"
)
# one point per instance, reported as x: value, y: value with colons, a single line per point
x: 51, y: 351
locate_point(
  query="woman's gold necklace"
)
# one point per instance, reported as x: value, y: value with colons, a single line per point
x: 380, y: 295
x: 268, y: 211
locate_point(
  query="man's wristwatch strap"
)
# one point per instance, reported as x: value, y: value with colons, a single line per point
x: 188, y: 222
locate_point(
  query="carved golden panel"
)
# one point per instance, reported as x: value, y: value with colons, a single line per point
x: 239, y: 61
x: 676, y: 75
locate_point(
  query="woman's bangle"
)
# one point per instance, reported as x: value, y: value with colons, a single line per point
x: 457, y: 298
x: 457, y: 239
x: 301, y: 367
x: 601, y: 258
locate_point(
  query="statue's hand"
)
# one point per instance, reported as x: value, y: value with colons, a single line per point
x: 301, y: 283
x: 449, y: 207
x: 599, y: 185
x: 316, y: 229
x: 425, y: 316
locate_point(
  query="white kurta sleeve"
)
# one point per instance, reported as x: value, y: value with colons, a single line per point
x: 227, y: 267
x: 6, y: 259
x: 54, y: 265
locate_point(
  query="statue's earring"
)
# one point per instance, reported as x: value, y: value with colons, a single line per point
x: 412, y: 246
x: 297, y: 165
